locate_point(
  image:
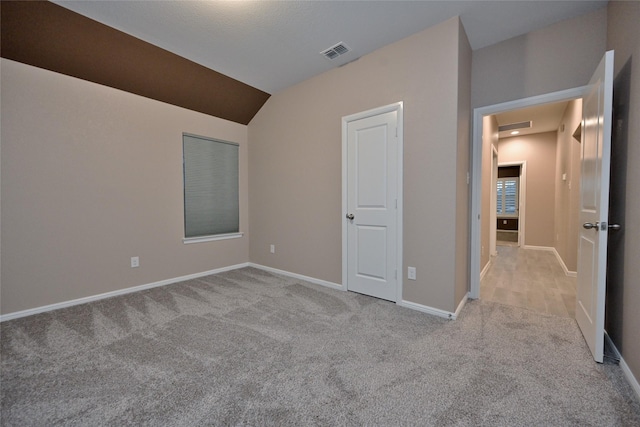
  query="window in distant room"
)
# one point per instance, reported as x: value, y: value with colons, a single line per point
x: 211, y: 189
x: 507, y: 197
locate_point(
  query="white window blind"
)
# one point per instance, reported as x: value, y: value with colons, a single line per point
x: 211, y: 205
x: 507, y: 197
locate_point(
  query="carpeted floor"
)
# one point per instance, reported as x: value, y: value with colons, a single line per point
x: 248, y: 347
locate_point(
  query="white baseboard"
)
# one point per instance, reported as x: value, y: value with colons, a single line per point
x: 633, y: 381
x: 485, y: 269
x: 298, y: 276
x: 538, y: 248
x: 558, y: 257
x: 461, y: 306
x: 64, y: 304
x: 563, y: 265
x: 427, y: 309
x: 406, y: 304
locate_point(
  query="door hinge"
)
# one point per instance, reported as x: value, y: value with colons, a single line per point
x: 396, y: 274
x: 396, y: 203
x: 396, y: 131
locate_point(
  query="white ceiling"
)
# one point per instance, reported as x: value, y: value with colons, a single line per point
x: 273, y: 44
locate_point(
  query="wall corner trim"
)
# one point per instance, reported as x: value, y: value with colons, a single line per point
x: 65, y: 304
x: 631, y: 379
x: 463, y: 301
x: 429, y: 310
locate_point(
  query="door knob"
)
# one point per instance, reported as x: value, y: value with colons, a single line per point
x: 589, y: 226
x: 614, y: 227
x: 350, y: 216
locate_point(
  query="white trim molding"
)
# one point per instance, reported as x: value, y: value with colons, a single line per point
x: 631, y: 379
x: 486, y: 268
x: 522, y: 197
x: 461, y: 306
x: 433, y: 311
x: 564, y: 266
x: 539, y: 248
x: 190, y: 240
x: 402, y: 303
x: 70, y: 303
x: 299, y: 276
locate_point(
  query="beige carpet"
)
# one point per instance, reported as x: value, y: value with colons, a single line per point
x: 251, y: 348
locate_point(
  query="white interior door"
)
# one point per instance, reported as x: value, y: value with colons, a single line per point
x: 371, y: 217
x: 594, y: 206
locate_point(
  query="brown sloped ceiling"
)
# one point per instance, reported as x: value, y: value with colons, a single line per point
x: 46, y: 35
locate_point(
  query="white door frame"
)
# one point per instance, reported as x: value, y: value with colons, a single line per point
x: 476, y: 182
x: 522, y: 196
x: 493, y: 203
x: 398, y: 108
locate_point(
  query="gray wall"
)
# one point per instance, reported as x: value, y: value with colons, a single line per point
x: 295, y: 163
x: 623, y: 293
x: 92, y: 176
x: 557, y: 57
x: 539, y: 153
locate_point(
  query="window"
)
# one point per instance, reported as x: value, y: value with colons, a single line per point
x: 211, y: 200
x: 507, y: 197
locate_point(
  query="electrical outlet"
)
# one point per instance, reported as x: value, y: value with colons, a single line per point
x: 135, y: 261
x: 411, y: 273
x: 272, y: 249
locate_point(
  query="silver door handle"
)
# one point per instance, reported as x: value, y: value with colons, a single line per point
x: 614, y: 227
x: 350, y: 216
x: 589, y: 226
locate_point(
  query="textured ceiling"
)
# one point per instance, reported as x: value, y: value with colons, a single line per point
x: 271, y: 45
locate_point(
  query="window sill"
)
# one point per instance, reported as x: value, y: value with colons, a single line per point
x: 189, y: 240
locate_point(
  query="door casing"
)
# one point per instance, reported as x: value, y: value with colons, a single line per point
x: 522, y: 197
x: 398, y: 108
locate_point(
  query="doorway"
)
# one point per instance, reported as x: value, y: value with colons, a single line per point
x: 525, y: 270
x: 476, y: 204
x: 510, y: 203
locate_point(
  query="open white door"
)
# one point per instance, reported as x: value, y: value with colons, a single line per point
x: 594, y: 206
x: 371, y: 187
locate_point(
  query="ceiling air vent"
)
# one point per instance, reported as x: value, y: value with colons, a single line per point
x: 336, y: 50
x: 514, y: 126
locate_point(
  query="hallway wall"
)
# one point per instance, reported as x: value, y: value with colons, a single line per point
x: 567, y: 192
x: 539, y: 152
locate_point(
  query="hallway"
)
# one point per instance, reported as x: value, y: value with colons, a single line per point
x: 531, y: 279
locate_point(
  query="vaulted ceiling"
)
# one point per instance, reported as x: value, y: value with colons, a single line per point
x: 224, y: 58
x: 271, y: 45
